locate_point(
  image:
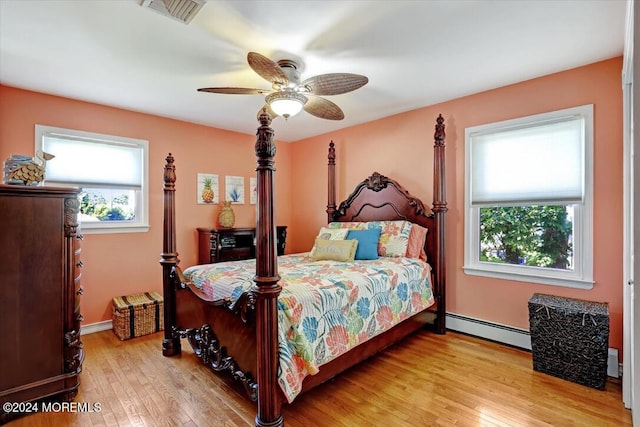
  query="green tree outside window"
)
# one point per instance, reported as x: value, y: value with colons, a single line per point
x: 538, y: 236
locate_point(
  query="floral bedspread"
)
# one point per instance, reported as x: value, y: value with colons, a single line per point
x: 325, y: 307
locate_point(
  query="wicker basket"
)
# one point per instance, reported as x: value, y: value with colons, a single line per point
x: 137, y: 315
x: 570, y: 338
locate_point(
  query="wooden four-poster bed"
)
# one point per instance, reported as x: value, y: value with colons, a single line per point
x: 237, y: 330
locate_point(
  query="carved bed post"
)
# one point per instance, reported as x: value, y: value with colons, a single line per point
x: 266, y: 289
x: 331, y: 180
x: 439, y: 209
x: 169, y: 259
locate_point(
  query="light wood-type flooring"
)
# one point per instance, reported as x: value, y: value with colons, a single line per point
x: 425, y: 380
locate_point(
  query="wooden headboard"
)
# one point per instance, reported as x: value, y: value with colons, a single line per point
x: 379, y: 198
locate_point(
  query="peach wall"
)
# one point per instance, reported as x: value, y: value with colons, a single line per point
x: 401, y: 147
x: 119, y: 264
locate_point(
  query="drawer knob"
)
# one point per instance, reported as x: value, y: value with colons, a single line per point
x: 80, y: 291
x: 79, y: 264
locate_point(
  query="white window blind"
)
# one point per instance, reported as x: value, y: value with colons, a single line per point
x: 94, y: 163
x: 540, y: 163
x: 111, y: 170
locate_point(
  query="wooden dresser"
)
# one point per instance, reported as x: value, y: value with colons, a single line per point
x: 40, y: 349
x: 233, y: 244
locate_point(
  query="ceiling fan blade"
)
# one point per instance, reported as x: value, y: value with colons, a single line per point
x: 234, y: 90
x: 323, y: 108
x: 267, y: 69
x: 335, y: 83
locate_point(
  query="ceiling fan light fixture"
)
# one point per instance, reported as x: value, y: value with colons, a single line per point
x: 286, y: 104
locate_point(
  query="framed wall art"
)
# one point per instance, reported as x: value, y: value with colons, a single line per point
x: 234, y: 187
x: 207, y: 189
x: 253, y: 190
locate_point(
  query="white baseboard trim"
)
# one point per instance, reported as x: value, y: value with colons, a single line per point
x: 489, y: 330
x: 96, y: 327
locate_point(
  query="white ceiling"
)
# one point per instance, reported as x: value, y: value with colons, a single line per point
x: 415, y: 53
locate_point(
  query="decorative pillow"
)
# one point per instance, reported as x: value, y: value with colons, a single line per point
x: 334, y: 250
x: 415, y: 247
x: 332, y: 233
x: 367, y: 242
x: 394, y: 237
x: 351, y: 225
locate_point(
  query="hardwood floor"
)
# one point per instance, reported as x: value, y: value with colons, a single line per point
x: 426, y: 380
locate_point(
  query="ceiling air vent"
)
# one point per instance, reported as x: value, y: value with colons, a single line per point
x: 181, y: 10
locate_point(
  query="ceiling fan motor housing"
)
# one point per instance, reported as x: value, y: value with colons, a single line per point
x: 290, y: 69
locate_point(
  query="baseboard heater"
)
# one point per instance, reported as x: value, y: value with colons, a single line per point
x: 511, y: 336
x: 492, y: 331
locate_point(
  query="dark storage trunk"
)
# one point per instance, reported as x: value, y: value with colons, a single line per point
x: 570, y: 338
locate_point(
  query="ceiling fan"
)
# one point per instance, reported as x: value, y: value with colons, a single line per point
x: 288, y: 96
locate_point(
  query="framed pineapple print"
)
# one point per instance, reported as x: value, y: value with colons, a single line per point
x: 234, y: 186
x: 207, y: 189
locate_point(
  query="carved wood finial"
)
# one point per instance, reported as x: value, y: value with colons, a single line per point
x: 439, y: 135
x: 169, y: 173
x: 439, y: 189
x: 265, y: 147
x: 264, y: 117
x: 331, y: 182
x: 332, y: 153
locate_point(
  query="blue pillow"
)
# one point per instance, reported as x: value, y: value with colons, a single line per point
x: 367, y: 242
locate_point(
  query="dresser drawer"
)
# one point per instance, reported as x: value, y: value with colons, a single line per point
x: 234, y: 254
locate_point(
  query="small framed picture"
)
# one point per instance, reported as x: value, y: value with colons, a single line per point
x: 253, y: 190
x: 234, y: 186
x: 207, y: 189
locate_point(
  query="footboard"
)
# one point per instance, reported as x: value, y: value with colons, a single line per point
x: 220, y: 332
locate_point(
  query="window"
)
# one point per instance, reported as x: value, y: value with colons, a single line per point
x: 111, y: 170
x: 528, y: 199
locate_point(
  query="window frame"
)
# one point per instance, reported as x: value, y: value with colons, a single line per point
x: 141, y: 223
x: 582, y: 275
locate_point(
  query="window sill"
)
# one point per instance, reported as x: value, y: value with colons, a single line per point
x: 111, y: 229
x: 567, y: 282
